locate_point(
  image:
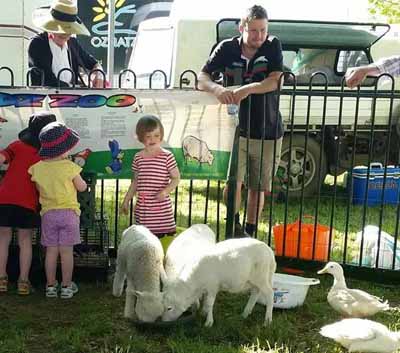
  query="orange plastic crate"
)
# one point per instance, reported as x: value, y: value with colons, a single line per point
x: 306, y: 241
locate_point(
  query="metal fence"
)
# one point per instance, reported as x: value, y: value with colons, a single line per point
x: 321, y: 207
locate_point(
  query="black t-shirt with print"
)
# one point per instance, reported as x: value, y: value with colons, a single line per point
x: 227, y: 59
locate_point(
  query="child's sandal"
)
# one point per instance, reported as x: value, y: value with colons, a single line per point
x: 24, y: 287
x: 3, y: 284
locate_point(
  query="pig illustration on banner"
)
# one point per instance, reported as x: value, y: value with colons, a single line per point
x: 194, y: 148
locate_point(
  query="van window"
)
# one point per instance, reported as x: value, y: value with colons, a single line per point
x: 304, y: 62
x: 152, y: 46
x: 351, y: 58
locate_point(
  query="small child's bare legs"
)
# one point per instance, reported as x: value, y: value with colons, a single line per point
x: 67, y: 264
x: 25, y: 252
x: 5, y: 239
x: 51, y: 264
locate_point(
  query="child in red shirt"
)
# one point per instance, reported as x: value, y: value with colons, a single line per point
x: 19, y: 199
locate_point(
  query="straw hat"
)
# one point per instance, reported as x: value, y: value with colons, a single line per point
x: 61, y: 17
x: 56, y: 139
x: 37, y: 122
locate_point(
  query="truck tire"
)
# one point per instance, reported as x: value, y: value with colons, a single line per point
x: 294, y: 179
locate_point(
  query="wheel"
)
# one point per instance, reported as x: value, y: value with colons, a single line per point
x: 294, y: 178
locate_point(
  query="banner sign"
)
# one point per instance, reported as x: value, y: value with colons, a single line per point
x: 197, y: 129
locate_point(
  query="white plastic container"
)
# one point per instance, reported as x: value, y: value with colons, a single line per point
x: 290, y: 291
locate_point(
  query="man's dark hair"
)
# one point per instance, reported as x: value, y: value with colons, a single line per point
x: 256, y: 12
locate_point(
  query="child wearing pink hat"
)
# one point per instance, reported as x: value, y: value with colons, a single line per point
x: 19, y: 199
x: 58, y: 179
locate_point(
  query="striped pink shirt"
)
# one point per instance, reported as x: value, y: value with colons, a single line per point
x: 152, y: 175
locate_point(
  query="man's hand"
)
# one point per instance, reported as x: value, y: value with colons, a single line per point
x: 224, y: 95
x: 240, y: 94
x: 355, y: 75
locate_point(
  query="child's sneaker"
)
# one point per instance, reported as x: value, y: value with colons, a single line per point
x: 67, y: 292
x: 3, y: 284
x: 24, y: 287
x: 52, y: 291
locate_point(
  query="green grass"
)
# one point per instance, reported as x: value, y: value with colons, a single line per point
x: 92, y: 322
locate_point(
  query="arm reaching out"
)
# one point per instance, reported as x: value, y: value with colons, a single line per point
x: 129, y: 196
x: 356, y: 75
x: 270, y: 84
x: 79, y: 183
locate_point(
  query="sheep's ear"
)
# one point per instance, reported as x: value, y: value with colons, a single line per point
x: 163, y: 276
x: 137, y: 293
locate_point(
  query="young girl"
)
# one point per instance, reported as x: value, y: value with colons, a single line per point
x: 58, y: 179
x: 19, y: 199
x: 155, y: 175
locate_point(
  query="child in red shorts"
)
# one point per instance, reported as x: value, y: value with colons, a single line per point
x: 19, y: 199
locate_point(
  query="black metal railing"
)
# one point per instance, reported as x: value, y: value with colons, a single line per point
x: 328, y: 132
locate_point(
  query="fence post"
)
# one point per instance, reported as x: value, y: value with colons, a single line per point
x: 231, y: 197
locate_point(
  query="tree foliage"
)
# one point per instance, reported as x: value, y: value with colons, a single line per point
x: 387, y: 8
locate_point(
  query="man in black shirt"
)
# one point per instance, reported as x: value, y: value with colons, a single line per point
x: 254, y: 62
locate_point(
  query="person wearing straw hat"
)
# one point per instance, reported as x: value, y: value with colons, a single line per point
x: 58, y: 180
x: 19, y: 199
x: 55, y: 48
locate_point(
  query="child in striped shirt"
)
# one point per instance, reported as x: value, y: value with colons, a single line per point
x: 155, y: 175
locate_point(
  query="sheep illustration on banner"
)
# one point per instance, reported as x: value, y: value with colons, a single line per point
x: 194, y: 148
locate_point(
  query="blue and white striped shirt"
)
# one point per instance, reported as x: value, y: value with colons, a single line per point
x: 390, y: 65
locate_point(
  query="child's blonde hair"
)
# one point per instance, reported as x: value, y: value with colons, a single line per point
x: 147, y: 124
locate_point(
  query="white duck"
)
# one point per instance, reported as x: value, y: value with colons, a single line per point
x: 360, y: 335
x: 350, y: 302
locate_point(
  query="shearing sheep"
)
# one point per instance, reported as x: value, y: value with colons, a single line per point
x: 234, y: 265
x: 140, y: 260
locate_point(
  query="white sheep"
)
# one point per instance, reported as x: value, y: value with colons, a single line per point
x: 186, y: 247
x: 140, y: 260
x: 234, y: 265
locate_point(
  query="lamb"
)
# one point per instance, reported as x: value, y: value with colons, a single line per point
x: 188, y: 245
x: 140, y: 260
x: 234, y: 265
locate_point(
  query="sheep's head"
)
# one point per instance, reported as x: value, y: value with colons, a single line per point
x: 175, y: 304
x: 149, y: 306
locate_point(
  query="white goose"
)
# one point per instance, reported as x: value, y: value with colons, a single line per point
x: 350, y: 302
x: 360, y: 335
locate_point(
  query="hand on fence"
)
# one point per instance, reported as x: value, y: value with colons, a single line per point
x: 354, y: 76
x: 224, y: 95
x: 240, y: 94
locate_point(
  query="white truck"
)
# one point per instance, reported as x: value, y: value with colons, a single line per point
x: 173, y: 46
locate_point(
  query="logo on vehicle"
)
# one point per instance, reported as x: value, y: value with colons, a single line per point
x: 124, y: 36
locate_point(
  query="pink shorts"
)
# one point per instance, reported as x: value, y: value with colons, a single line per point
x: 60, y: 228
